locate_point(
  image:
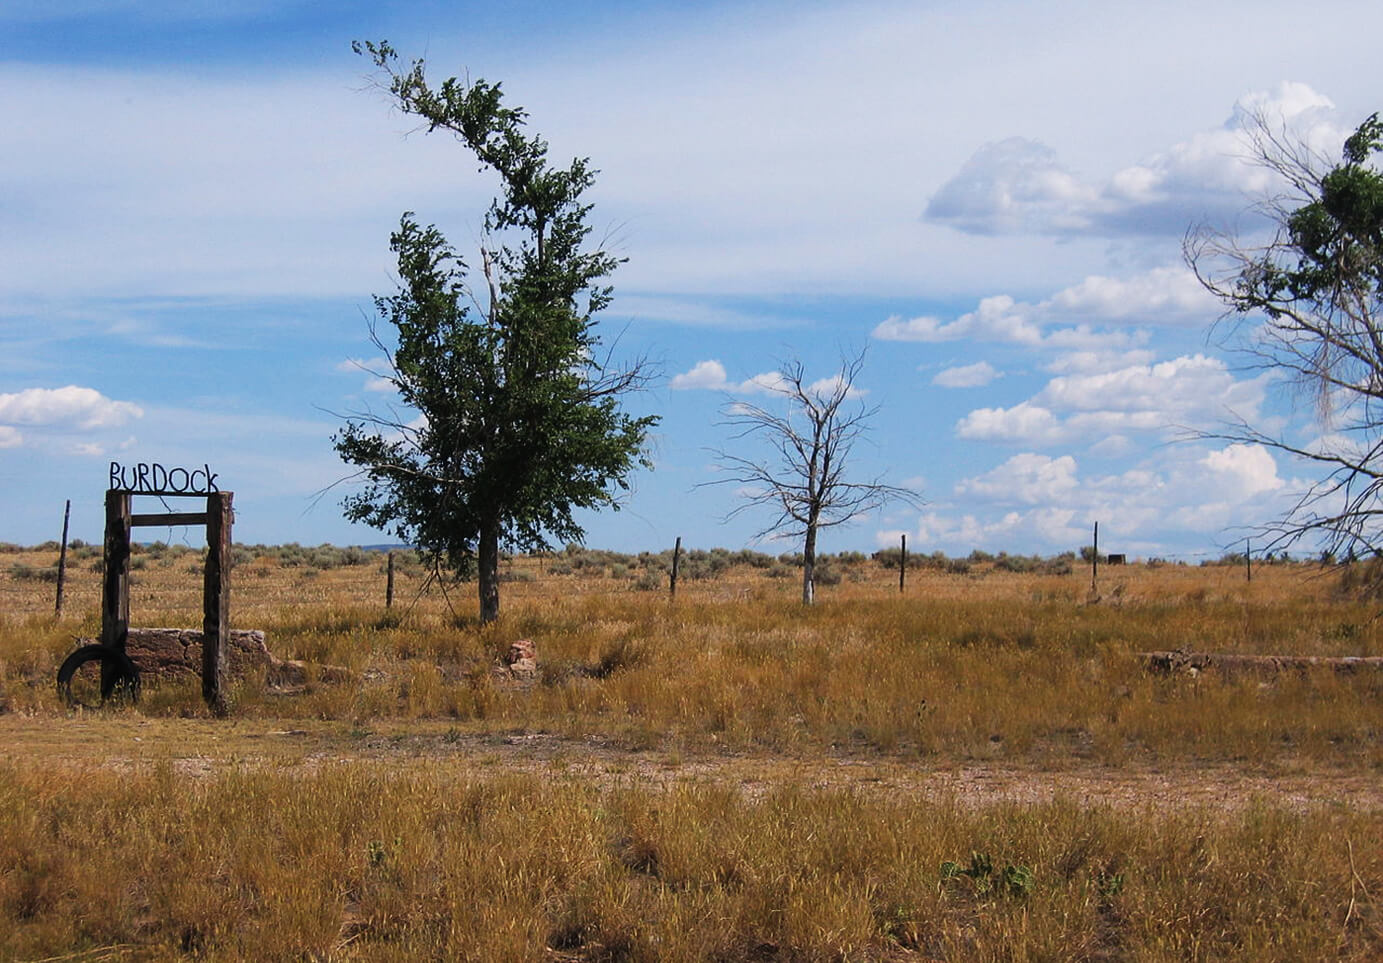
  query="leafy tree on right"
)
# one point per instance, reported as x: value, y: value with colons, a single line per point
x: 1309, y: 301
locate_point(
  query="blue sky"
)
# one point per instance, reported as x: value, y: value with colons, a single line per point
x: 989, y: 198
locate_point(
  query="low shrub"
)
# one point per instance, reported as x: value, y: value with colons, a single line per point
x: 25, y: 572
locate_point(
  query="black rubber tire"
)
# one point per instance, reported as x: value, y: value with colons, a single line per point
x: 118, y: 673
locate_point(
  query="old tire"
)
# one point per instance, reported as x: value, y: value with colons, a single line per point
x: 118, y: 673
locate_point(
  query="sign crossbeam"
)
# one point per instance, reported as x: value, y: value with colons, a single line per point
x: 168, y: 519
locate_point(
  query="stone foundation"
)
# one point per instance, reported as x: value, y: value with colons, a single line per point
x: 177, y: 653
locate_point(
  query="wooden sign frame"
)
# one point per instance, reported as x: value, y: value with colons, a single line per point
x: 116, y: 668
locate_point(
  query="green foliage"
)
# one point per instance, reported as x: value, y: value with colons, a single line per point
x: 1338, y: 236
x: 520, y: 422
x: 1014, y: 881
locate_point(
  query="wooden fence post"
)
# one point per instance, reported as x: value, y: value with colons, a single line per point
x: 389, y: 584
x: 1095, y: 559
x: 216, y: 600
x: 62, y: 558
x: 676, y: 558
x: 903, y: 565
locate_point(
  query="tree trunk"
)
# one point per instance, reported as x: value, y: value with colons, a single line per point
x: 1268, y: 665
x: 809, y: 566
x: 488, y: 575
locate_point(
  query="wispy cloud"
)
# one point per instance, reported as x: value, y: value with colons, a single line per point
x: 1002, y: 319
x: 975, y: 375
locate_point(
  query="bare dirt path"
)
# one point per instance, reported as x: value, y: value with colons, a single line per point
x: 201, y: 747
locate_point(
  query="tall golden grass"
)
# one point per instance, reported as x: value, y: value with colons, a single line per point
x: 357, y: 862
x: 339, y: 855
x: 984, y: 665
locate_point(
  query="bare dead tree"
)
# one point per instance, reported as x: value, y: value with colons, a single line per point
x: 802, y: 476
x: 1305, y: 299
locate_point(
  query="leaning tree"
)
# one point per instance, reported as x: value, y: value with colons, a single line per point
x: 800, y: 471
x: 1308, y: 298
x: 510, y: 417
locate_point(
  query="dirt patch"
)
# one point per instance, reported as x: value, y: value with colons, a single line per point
x: 199, y: 748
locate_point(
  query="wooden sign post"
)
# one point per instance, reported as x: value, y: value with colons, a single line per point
x: 216, y: 601
x: 115, y: 592
x: 117, y: 671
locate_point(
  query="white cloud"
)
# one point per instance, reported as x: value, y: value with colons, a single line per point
x: 1000, y: 318
x: 764, y: 383
x: 1112, y: 446
x: 925, y: 328
x: 1086, y: 362
x: 711, y: 376
x: 1035, y: 502
x: 997, y: 318
x: 1089, y: 407
x: 1015, y: 185
x: 1163, y: 294
x: 1213, y: 172
x: 1188, y: 387
x: 1243, y: 470
x: 1050, y: 529
x: 826, y: 388
x: 1021, y: 186
x: 1027, y: 478
x: 9, y: 437
x: 975, y: 375
x: 703, y: 375
x: 1024, y: 422
x: 71, y: 408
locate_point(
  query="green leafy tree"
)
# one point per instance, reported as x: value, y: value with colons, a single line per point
x: 1310, y: 301
x: 513, y: 413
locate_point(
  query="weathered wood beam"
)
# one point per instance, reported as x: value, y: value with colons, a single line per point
x: 168, y: 519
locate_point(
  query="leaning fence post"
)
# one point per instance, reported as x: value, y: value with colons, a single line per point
x: 62, y: 558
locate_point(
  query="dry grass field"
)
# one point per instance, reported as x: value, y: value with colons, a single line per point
x: 978, y: 769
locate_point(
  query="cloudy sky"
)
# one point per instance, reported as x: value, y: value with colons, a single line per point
x: 987, y: 198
